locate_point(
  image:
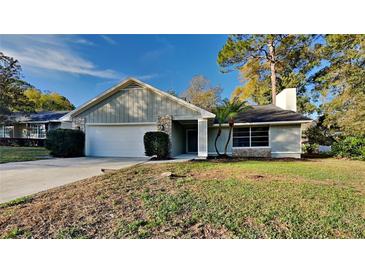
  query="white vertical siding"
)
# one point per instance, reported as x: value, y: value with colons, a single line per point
x: 135, y: 105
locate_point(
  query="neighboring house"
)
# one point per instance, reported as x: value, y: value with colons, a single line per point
x: 32, y: 126
x: 115, y: 122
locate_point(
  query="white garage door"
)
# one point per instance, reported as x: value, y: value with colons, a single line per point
x: 116, y: 141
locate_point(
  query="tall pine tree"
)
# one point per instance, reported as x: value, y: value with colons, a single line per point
x: 269, y: 63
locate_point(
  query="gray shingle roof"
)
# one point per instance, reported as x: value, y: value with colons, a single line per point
x: 39, y: 116
x: 268, y: 113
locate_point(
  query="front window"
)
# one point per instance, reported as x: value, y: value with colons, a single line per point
x: 259, y: 136
x: 6, y: 131
x: 37, y: 131
x: 251, y: 137
x: 241, y: 137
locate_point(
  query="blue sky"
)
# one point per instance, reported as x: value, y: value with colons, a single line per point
x: 82, y: 66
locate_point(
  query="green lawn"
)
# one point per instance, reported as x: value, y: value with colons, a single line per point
x: 16, y: 154
x: 322, y: 198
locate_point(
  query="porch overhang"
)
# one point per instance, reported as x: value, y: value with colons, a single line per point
x: 193, y: 133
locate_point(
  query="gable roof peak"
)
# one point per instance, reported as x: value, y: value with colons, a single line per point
x: 124, y: 83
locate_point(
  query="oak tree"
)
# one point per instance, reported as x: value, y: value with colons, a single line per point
x: 341, y: 82
x: 12, y: 87
x: 48, y: 101
x: 202, y: 94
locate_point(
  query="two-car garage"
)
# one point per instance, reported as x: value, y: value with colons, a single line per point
x: 116, y: 140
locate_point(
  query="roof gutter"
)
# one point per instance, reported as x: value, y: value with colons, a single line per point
x: 267, y: 123
x: 37, y: 122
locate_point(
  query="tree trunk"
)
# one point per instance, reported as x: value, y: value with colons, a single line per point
x: 216, y: 139
x: 273, y: 71
x: 229, y: 138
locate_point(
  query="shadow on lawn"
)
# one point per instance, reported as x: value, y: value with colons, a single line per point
x: 229, y: 159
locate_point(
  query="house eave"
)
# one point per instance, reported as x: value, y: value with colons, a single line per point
x: 266, y: 123
x: 38, y: 122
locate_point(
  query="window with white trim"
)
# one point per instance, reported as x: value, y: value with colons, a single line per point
x: 37, y: 131
x: 6, y: 131
x: 251, y: 137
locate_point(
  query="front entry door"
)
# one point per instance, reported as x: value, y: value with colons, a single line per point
x: 192, y: 141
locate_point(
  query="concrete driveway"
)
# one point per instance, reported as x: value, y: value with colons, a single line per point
x: 24, y: 178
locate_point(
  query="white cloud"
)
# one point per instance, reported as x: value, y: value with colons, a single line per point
x: 109, y: 40
x: 51, y: 52
x: 82, y: 41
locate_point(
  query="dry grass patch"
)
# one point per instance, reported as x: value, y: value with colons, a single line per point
x: 249, y: 199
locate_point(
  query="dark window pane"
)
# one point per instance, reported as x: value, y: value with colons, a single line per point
x: 241, y: 142
x: 259, y: 144
x: 241, y: 129
x: 241, y: 137
x: 260, y: 136
x: 259, y: 133
x: 242, y: 132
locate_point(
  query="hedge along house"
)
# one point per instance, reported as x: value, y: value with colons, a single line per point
x: 115, y: 122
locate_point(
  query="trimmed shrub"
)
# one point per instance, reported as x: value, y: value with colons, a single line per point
x: 65, y: 142
x: 350, y: 147
x: 310, y: 148
x: 157, y: 143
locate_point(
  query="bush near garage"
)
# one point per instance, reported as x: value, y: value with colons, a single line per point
x: 350, y: 147
x: 157, y: 143
x: 65, y: 142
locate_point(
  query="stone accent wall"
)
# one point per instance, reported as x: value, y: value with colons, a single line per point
x: 78, y: 123
x: 164, y: 124
x: 251, y: 152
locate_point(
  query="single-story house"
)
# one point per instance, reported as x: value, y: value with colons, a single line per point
x: 115, y: 122
x: 33, y: 125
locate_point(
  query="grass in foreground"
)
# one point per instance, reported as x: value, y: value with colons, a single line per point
x: 18, y: 201
x: 17, y: 154
x: 248, y: 199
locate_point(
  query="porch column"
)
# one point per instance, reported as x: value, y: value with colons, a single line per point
x: 202, y: 138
